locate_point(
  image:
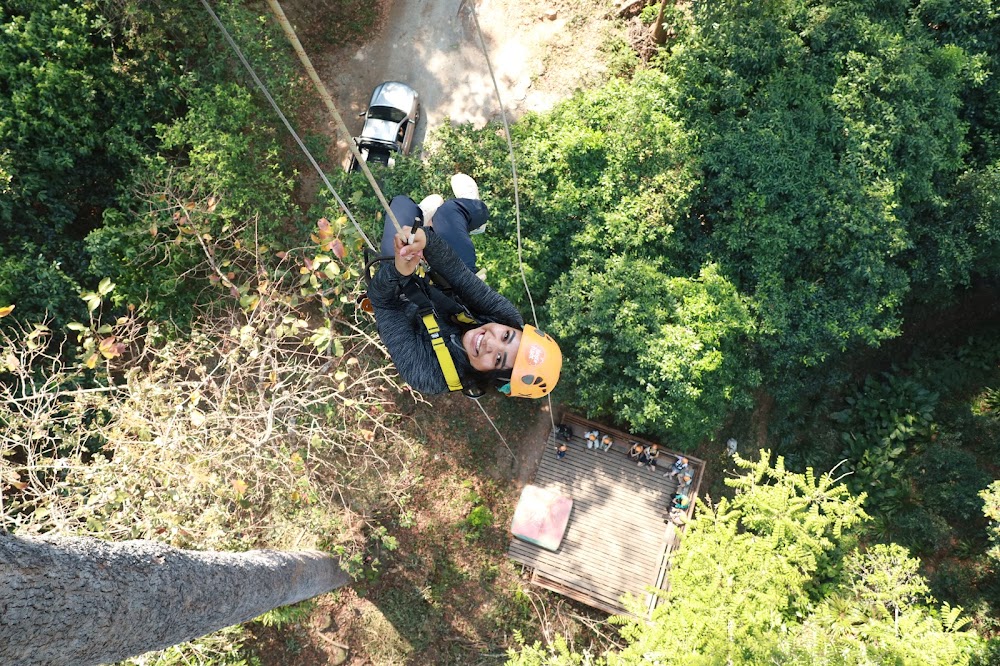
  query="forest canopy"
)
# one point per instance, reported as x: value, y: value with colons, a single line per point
x: 780, y: 213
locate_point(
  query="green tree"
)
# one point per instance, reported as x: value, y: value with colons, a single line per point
x: 113, y: 112
x: 828, y: 158
x: 748, y: 567
x: 78, y: 105
x: 675, y: 340
x: 881, y: 614
x: 991, y: 509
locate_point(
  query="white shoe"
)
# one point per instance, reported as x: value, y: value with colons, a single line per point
x: 480, y: 229
x: 464, y: 187
x: 429, y: 206
x: 481, y: 274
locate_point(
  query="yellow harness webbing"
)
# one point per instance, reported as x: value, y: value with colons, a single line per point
x: 444, y: 358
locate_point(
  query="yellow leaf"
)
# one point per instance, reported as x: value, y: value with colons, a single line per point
x: 325, y: 231
x: 240, y: 487
x: 6, y: 310
x: 92, y: 361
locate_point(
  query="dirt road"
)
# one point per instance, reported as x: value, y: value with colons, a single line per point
x: 540, y: 53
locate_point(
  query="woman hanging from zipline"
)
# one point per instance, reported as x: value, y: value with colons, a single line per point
x: 458, y: 334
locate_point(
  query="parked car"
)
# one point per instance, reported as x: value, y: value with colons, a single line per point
x: 390, y: 124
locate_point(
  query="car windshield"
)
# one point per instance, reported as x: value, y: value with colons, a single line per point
x: 386, y: 113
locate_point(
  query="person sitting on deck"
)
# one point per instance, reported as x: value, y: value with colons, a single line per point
x: 676, y: 516
x: 561, y: 451
x: 636, y: 450
x: 679, y: 467
x: 591, y: 438
x: 681, y: 501
x: 650, y: 455
x: 479, y: 336
x: 606, y: 442
x: 564, y: 433
x: 685, y: 484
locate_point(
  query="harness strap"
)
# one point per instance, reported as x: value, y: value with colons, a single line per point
x: 430, y: 301
x: 443, y: 356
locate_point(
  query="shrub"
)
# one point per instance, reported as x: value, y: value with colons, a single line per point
x: 883, y: 420
x: 675, y: 342
x: 950, y: 481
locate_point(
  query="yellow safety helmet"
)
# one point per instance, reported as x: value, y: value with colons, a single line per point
x: 537, y: 365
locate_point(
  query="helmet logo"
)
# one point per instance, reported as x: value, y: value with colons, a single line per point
x: 536, y: 354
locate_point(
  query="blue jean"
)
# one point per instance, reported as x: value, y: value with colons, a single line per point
x: 453, y: 221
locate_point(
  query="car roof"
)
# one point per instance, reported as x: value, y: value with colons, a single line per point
x: 395, y: 94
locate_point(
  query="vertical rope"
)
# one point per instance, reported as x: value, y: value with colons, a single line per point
x: 510, y: 149
x: 513, y: 171
x: 483, y: 409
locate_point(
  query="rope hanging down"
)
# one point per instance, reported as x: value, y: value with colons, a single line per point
x: 510, y: 148
x: 513, y: 172
x: 288, y: 125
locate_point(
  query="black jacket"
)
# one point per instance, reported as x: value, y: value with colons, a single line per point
x: 403, y: 332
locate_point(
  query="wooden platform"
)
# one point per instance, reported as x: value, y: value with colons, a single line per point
x: 616, y: 542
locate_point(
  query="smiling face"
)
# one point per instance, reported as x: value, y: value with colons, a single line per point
x: 492, y: 347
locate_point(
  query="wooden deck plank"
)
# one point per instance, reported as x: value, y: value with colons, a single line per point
x: 615, y: 582
x: 612, y: 588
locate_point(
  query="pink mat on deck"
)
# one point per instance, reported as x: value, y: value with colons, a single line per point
x: 541, y: 517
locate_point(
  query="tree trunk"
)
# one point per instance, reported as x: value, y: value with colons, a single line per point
x: 80, y: 601
x: 659, y: 33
